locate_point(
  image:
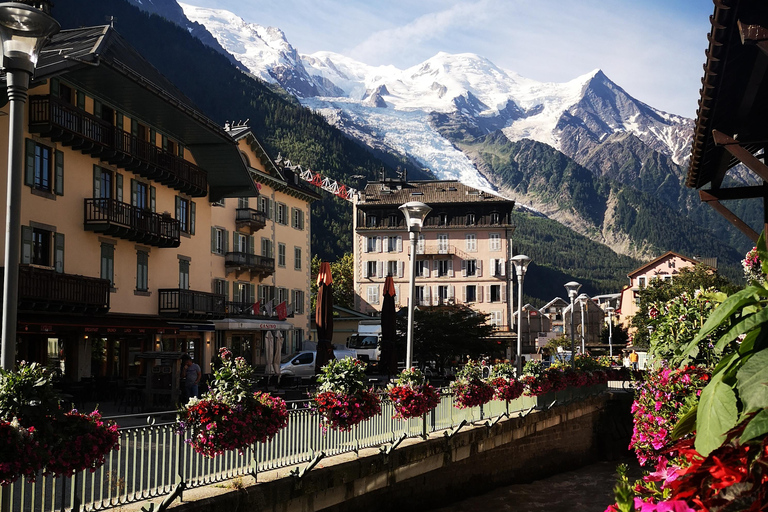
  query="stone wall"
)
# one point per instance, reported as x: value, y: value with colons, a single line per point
x: 423, y: 474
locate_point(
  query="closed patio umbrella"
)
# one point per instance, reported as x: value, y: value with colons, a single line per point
x: 269, y: 349
x: 324, y: 316
x: 388, y: 357
x: 278, y: 352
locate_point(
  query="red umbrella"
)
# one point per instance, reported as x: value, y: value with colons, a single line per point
x: 324, y: 316
x: 388, y: 357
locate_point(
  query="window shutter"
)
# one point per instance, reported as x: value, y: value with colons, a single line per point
x: 58, y: 184
x: 135, y: 196
x: 119, y: 120
x: 55, y: 91
x: 503, y: 265
x: 381, y: 269
x: 450, y: 267
x: 397, y: 294
x: 464, y: 294
x: 153, y: 137
x: 488, y: 293
x: 29, y: 167
x: 492, y: 267
x: 385, y: 244
x: 164, y: 143
x: 97, y: 108
x: 426, y: 269
x: 152, y: 202
x: 251, y: 293
x: 270, y: 207
x: 400, y: 269
x: 80, y: 100
x: 214, y: 232
x: 480, y: 293
x: 427, y: 296
x: 503, y: 294
x: 134, y: 127
x: 450, y: 291
x: 225, y: 237
x: 463, y: 268
x: 379, y: 247
x: 96, y: 182
x: 26, y: 244
x: 399, y: 244
x: 192, y: 216
x: 119, y: 187
x: 479, y: 268
x: 178, y: 205
x: 436, y: 294
x: 58, y: 252
x: 251, y: 245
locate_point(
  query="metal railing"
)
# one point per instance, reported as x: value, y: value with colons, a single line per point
x: 129, y: 222
x: 42, y: 289
x: 254, y: 219
x: 153, y: 460
x: 183, y: 303
x: 252, y: 262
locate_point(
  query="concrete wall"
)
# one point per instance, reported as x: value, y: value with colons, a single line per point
x: 423, y: 474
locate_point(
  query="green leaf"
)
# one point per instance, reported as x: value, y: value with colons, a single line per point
x: 749, y: 342
x: 749, y: 295
x: 762, y: 251
x: 757, y: 427
x: 752, y: 382
x: 686, y: 424
x: 744, y: 326
x: 717, y: 414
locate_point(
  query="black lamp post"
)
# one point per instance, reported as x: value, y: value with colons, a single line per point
x: 24, y: 28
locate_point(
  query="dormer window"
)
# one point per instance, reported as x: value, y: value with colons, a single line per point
x: 495, y: 218
x: 443, y: 219
x: 471, y: 220
x: 393, y: 219
x: 370, y: 221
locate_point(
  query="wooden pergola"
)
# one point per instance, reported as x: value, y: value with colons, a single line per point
x: 732, y: 118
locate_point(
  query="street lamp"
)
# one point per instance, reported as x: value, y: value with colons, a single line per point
x: 521, y: 262
x: 23, y: 31
x: 415, y: 213
x: 582, y: 302
x: 610, y: 311
x: 573, y: 290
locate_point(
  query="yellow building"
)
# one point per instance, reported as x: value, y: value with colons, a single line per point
x: 120, y: 176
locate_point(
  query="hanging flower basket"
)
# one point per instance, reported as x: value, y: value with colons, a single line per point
x: 83, y: 442
x: 412, y: 396
x: 506, y: 386
x: 469, y: 389
x: 230, y: 416
x: 20, y: 453
x: 343, y: 399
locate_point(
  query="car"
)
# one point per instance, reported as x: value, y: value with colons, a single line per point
x: 302, y: 364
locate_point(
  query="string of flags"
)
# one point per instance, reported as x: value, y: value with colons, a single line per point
x: 318, y: 180
x: 282, y: 310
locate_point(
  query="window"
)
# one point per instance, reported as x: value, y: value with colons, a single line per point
x: 41, y: 247
x: 298, y: 302
x: 496, y: 319
x: 184, y: 274
x: 267, y: 248
x: 470, y: 293
x: 392, y: 266
x: 470, y: 242
x: 442, y: 244
x: 241, y: 242
x: 221, y: 287
x: 282, y: 295
x: 281, y: 255
x: 422, y: 268
x: 498, y: 267
x: 394, y: 220
x: 370, y: 221
x: 373, y: 294
x: 442, y: 294
x: 495, y: 293
x: 297, y: 218
x: 242, y: 202
x: 282, y: 214
x: 142, y: 271
x: 108, y: 262
x: 443, y: 219
x: 394, y: 243
x: 494, y: 242
x: 641, y: 282
x: 421, y: 243
x: 240, y: 292
x: 371, y: 244
x: 370, y: 270
x: 471, y: 267
x: 297, y: 258
x: 102, y: 183
x: 421, y: 295
x: 266, y: 293
x: 185, y: 214
x: 219, y: 240
x: 471, y: 219
x: 265, y: 206
x: 44, y: 247
x: 44, y: 168
x: 444, y: 267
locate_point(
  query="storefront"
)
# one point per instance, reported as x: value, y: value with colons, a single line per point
x: 254, y: 340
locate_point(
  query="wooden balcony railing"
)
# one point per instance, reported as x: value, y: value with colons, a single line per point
x: 243, y: 261
x: 42, y: 289
x: 191, y: 304
x: 65, y: 123
x: 251, y: 219
x: 123, y: 220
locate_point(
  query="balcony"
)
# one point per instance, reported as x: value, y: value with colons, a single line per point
x: 438, y: 249
x: 122, y: 220
x: 191, y: 304
x: 249, y: 218
x: 42, y: 289
x: 239, y: 262
x: 62, y: 122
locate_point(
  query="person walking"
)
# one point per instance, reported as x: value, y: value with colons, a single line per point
x: 192, y: 375
x: 633, y: 358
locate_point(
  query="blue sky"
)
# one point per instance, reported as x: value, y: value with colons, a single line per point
x: 654, y: 49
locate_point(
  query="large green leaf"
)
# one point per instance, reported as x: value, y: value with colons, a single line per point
x: 716, y: 415
x: 752, y: 382
x: 744, y: 326
x: 762, y: 252
x: 686, y: 424
x: 757, y: 427
x: 749, y: 295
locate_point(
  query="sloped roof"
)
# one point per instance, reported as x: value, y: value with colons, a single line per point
x: 100, y: 61
x: 431, y: 192
x: 655, y: 261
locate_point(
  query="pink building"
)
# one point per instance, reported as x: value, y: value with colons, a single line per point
x: 463, y: 251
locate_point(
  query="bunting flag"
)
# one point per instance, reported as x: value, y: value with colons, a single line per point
x: 268, y: 307
x: 282, y: 311
x: 257, y: 308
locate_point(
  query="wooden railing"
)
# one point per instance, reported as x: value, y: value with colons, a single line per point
x: 251, y: 262
x: 123, y: 220
x: 181, y: 303
x: 248, y: 217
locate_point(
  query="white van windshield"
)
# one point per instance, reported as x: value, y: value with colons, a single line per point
x: 363, y: 342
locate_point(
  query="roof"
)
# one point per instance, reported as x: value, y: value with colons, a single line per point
x: 664, y: 256
x: 100, y: 61
x: 393, y: 192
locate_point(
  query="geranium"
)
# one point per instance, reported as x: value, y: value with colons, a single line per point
x: 230, y: 416
x: 343, y: 399
x: 661, y: 399
x: 469, y: 389
x: 753, y: 271
x: 506, y: 386
x: 20, y: 452
x: 83, y: 443
x: 412, y: 396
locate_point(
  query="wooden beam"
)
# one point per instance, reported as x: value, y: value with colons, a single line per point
x: 731, y: 217
x: 742, y: 155
x: 725, y: 194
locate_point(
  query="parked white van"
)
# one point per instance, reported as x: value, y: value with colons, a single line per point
x: 302, y: 364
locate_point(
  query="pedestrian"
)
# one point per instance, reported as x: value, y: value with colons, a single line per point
x: 633, y: 358
x: 192, y: 374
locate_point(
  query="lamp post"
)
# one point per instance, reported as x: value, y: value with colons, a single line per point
x: 582, y: 302
x: 23, y: 31
x: 573, y: 290
x: 521, y: 262
x: 415, y: 212
x: 610, y: 311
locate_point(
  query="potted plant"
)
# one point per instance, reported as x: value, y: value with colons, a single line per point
x: 37, y: 433
x: 411, y: 395
x: 469, y: 389
x: 343, y: 400
x: 506, y: 386
x: 230, y: 416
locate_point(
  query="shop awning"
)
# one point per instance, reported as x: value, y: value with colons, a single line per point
x: 232, y: 324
